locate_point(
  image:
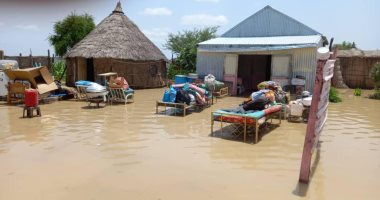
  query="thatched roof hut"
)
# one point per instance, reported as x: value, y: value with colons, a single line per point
x: 356, y: 65
x: 117, y: 45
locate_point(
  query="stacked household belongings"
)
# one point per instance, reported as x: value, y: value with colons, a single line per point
x: 185, y: 96
x: 39, y: 78
x: 299, y: 109
x: 254, y: 112
x: 217, y: 88
x: 91, y: 92
x: 120, y: 90
x: 5, y: 65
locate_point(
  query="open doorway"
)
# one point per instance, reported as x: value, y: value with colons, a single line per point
x: 90, y: 69
x: 254, y: 69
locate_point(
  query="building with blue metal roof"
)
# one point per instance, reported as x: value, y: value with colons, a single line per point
x: 268, y: 45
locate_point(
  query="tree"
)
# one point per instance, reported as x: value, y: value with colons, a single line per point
x: 184, y: 45
x: 70, y: 31
x: 345, y: 45
x: 375, y: 74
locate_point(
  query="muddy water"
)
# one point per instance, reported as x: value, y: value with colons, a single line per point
x: 129, y: 152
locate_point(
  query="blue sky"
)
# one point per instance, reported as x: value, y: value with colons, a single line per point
x: 26, y: 24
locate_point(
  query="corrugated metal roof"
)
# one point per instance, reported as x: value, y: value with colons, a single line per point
x: 279, y: 40
x: 269, y: 22
x: 224, y: 44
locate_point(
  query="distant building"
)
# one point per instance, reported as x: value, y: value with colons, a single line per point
x: 268, y: 45
x: 117, y: 45
x: 355, y: 66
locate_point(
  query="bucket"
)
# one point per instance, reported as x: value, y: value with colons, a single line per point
x: 31, y: 98
x: 179, y: 79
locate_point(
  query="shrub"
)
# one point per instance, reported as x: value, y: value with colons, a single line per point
x: 58, y: 68
x: 375, y: 95
x: 358, y: 92
x: 375, y: 74
x: 334, y: 95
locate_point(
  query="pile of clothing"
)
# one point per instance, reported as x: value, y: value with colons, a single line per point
x: 269, y: 94
x: 187, y: 93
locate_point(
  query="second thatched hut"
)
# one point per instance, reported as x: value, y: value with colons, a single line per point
x: 117, y: 45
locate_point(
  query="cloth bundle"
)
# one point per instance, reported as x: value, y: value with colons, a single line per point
x: 186, y: 93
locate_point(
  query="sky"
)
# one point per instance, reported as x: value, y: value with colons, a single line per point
x: 26, y: 24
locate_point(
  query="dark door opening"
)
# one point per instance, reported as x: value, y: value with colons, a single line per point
x: 90, y: 69
x: 254, y: 69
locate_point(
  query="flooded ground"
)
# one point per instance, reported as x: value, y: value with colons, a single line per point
x: 129, y: 152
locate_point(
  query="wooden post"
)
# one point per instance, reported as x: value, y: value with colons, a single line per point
x: 318, y: 113
x: 30, y: 59
x: 49, y: 61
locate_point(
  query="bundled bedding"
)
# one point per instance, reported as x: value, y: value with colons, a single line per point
x: 255, y: 110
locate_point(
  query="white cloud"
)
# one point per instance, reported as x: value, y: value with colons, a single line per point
x: 157, y: 35
x: 28, y: 27
x: 212, y: 1
x: 204, y: 20
x: 157, y: 11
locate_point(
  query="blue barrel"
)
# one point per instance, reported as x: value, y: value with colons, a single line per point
x: 179, y: 79
x: 190, y: 79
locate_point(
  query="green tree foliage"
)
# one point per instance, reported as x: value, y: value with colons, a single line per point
x: 58, y: 68
x: 375, y: 75
x: 345, y: 45
x: 70, y: 31
x: 184, y: 45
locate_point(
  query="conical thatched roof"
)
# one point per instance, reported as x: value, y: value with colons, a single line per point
x: 117, y: 37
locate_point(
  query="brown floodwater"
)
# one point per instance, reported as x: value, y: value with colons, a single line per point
x: 129, y: 152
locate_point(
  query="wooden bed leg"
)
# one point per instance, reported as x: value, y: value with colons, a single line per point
x: 156, y: 107
x: 212, y: 124
x: 257, y: 131
x: 221, y: 124
x: 245, y: 129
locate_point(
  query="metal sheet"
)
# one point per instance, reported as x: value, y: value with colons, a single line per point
x: 269, y: 22
x: 278, y: 40
x: 211, y: 63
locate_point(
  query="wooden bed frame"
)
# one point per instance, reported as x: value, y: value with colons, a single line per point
x: 256, y: 124
x: 182, y: 106
x: 221, y: 93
